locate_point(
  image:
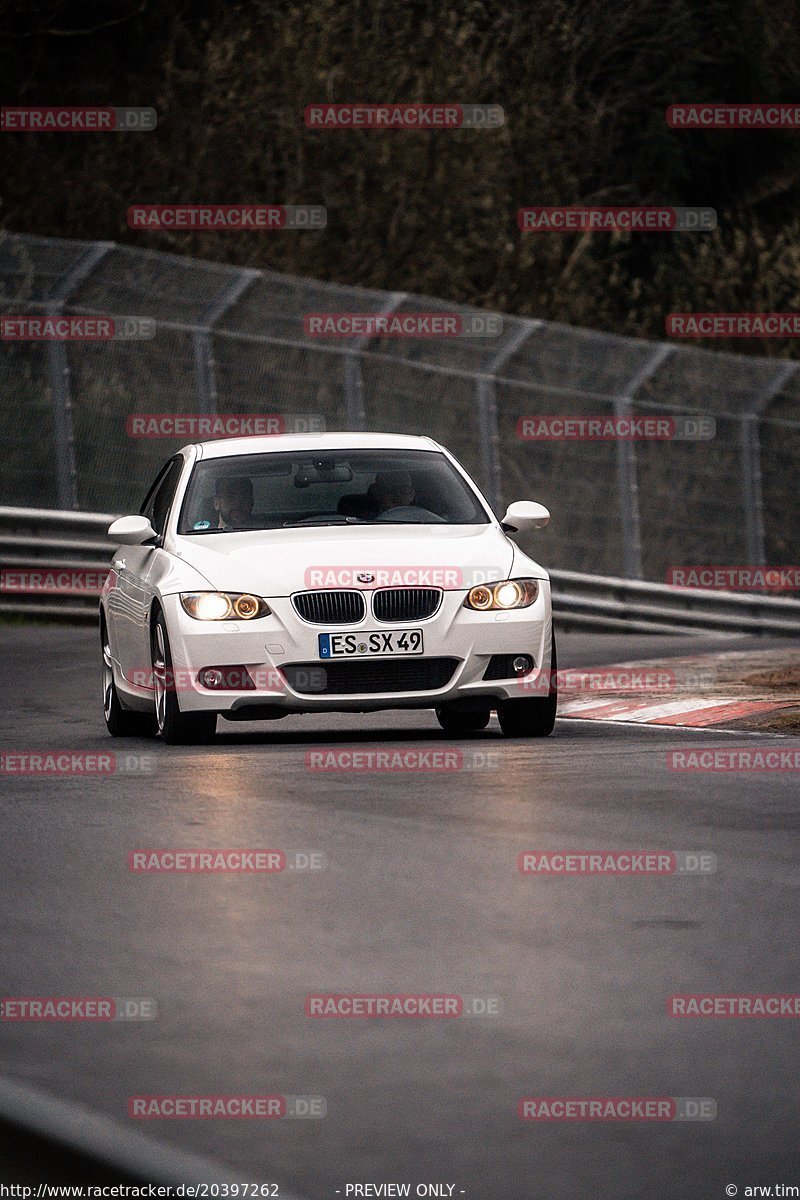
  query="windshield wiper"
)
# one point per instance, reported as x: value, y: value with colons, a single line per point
x: 311, y: 524
x: 284, y: 525
x: 216, y: 529
x: 229, y: 529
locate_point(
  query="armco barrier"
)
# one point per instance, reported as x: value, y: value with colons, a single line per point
x: 37, y: 538
x: 33, y: 538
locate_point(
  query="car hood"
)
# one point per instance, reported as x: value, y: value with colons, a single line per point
x: 278, y: 562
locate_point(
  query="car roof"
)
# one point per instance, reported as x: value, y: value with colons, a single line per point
x: 226, y: 447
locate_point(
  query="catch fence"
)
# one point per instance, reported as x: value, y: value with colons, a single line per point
x: 227, y: 340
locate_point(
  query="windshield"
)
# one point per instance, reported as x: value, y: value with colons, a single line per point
x: 349, y: 487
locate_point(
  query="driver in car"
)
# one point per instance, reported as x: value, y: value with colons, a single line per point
x: 233, y: 501
x: 393, y: 489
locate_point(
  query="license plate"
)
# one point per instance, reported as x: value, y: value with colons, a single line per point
x: 370, y: 643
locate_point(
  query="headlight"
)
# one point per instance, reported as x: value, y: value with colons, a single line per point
x: 510, y: 593
x: 224, y: 606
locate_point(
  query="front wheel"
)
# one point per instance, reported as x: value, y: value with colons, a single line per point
x: 533, y: 716
x: 120, y: 722
x: 174, y: 727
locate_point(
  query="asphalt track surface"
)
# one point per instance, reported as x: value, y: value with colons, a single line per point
x: 421, y: 894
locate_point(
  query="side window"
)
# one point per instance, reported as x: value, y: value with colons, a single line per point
x: 160, y: 496
x: 147, y: 504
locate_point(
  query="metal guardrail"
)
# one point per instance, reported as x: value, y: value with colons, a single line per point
x: 37, y: 538
x: 34, y: 539
x: 629, y: 605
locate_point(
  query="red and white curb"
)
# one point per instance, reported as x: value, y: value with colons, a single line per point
x: 689, y: 710
x: 691, y: 691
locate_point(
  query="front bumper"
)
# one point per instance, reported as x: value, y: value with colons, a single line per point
x: 269, y: 644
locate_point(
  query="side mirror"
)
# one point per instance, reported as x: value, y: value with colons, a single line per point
x: 523, y: 515
x: 131, y: 531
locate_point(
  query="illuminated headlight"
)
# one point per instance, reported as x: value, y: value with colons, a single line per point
x: 510, y: 593
x: 224, y: 606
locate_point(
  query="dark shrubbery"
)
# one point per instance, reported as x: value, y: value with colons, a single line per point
x: 584, y: 87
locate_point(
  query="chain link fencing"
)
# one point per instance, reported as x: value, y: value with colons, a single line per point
x: 228, y: 340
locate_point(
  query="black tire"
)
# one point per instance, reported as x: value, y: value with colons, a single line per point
x: 174, y: 727
x: 120, y: 722
x: 461, y: 723
x: 534, y: 716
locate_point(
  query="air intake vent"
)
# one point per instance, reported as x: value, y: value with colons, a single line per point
x: 406, y: 604
x: 330, y: 607
x: 371, y: 675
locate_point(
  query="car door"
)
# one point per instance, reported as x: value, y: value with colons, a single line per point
x: 134, y: 565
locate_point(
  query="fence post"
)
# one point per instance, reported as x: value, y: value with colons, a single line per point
x: 486, y: 396
x: 750, y: 450
x: 627, y: 475
x: 60, y: 380
x: 355, y: 413
x: 201, y: 339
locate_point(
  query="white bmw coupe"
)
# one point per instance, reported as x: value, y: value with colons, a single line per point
x: 345, y: 572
